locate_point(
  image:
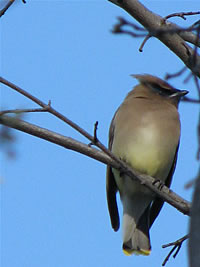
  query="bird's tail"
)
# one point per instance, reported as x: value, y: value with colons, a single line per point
x: 136, y: 238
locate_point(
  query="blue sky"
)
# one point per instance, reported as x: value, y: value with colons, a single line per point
x: 53, y: 204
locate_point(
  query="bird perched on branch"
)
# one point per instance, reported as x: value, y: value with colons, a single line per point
x: 145, y: 133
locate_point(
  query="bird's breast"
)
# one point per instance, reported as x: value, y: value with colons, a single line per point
x: 149, y: 148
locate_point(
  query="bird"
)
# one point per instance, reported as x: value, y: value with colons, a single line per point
x: 145, y: 134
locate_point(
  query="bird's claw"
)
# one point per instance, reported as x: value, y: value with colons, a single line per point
x: 158, y: 183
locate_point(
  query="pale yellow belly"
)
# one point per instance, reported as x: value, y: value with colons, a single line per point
x: 148, y: 152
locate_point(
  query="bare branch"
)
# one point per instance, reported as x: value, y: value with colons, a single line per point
x: 146, y: 180
x: 53, y: 137
x: 3, y: 10
x: 187, y: 34
x: 154, y: 25
x: 191, y: 100
x: 176, y: 246
x: 49, y: 108
x: 95, y: 134
x: 165, y: 193
x: 181, y: 15
x: 139, y: 31
x: 176, y: 74
x: 95, y: 131
x: 189, y: 37
x: 144, y: 42
x: 19, y: 111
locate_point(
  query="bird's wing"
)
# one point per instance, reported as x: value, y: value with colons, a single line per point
x: 111, y: 187
x: 158, y: 202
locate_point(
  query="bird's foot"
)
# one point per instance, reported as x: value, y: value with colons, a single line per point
x: 159, y: 184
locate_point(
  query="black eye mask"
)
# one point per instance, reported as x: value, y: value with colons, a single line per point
x: 171, y: 92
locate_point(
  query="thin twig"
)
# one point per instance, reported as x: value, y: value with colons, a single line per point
x: 179, y: 73
x: 95, y: 131
x: 122, y: 22
x: 195, y: 25
x: 181, y: 15
x: 144, y: 42
x: 169, y: 34
x: 59, y: 115
x: 186, y: 80
x: 3, y: 10
x: 143, y: 32
x: 176, y: 246
x: 176, y: 74
x: 18, y: 111
x: 95, y: 134
x: 190, y: 100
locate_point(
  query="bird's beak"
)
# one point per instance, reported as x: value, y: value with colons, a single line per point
x: 179, y: 93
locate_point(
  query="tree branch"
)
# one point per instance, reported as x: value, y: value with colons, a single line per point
x: 55, y: 138
x: 69, y: 143
x: 176, y: 246
x: 181, y: 15
x: 20, y: 111
x: 155, y: 26
x: 3, y: 10
x: 165, y: 193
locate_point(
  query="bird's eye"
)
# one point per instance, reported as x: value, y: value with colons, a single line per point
x: 163, y: 91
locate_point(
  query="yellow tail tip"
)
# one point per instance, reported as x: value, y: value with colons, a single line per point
x: 143, y: 252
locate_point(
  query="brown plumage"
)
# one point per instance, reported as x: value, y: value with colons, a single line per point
x: 145, y: 133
